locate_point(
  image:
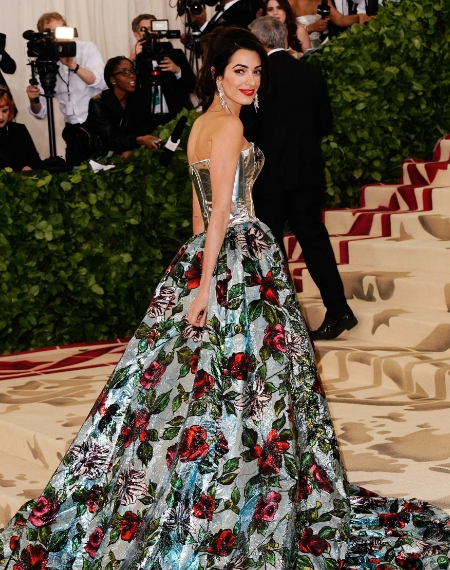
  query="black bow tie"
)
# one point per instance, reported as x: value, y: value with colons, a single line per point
x: 220, y: 8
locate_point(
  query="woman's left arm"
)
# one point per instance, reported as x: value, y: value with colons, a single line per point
x: 303, y: 38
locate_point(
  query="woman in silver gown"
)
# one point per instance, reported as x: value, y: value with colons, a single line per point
x: 211, y: 445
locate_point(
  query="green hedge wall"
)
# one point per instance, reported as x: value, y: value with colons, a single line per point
x: 389, y: 86
x: 80, y: 254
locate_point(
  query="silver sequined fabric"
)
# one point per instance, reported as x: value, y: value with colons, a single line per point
x: 250, y: 163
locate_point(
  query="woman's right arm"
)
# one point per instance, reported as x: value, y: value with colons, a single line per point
x: 226, y: 146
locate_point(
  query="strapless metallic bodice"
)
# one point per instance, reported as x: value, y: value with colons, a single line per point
x: 249, y: 166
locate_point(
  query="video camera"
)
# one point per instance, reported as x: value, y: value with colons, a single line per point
x: 195, y: 7
x: 50, y: 46
x: 151, y: 48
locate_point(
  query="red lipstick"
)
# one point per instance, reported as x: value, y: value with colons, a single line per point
x: 248, y: 92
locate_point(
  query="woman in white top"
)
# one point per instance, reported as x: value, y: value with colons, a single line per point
x: 297, y: 36
x: 305, y: 12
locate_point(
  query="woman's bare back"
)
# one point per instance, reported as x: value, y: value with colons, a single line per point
x: 205, y: 129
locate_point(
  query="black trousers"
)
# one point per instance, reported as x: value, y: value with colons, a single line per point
x: 303, y: 211
x: 75, y: 153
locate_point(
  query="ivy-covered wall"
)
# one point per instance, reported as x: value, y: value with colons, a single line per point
x: 80, y: 254
x: 389, y: 85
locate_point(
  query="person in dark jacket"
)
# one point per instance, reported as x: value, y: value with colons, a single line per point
x: 288, y: 128
x: 17, y: 150
x: 115, y: 115
x: 173, y: 72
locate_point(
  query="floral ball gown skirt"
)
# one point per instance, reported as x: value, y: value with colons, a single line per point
x: 214, y: 448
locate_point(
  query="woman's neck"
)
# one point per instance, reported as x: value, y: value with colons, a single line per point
x: 122, y: 97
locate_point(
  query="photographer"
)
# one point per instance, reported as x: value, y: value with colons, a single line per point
x: 79, y: 79
x: 7, y: 64
x: 177, y: 77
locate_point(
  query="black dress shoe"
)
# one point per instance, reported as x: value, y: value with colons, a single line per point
x: 332, y: 327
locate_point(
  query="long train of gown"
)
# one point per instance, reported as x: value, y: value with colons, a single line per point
x: 214, y: 448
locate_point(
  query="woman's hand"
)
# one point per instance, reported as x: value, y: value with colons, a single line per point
x: 319, y: 26
x: 197, y: 311
x: 126, y: 153
x: 149, y: 141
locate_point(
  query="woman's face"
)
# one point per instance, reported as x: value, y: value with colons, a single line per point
x: 124, y: 77
x: 4, y: 115
x: 274, y: 10
x: 241, y: 78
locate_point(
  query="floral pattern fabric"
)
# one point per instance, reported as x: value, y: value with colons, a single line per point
x: 213, y: 448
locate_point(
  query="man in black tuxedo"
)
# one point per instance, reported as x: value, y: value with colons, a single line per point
x: 293, y: 117
x: 177, y: 77
x: 228, y: 13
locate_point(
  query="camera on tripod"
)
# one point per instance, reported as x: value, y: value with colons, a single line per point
x: 50, y: 46
x: 195, y: 7
x: 47, y: 47
x: 151, y: 48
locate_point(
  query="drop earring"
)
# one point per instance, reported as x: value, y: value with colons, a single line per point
x: 256, y: 102
x: 222, y: 99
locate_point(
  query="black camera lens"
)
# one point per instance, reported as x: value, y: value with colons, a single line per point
x: 195, y: 7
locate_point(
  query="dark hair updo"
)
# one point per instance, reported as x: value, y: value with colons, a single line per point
x: 218, y: 48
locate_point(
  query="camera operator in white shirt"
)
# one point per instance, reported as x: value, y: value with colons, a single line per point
x: 79, y: 79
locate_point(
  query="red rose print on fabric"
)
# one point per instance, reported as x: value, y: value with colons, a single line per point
x: 194, y: 273
x: 317, y: 386
x: 204, y: 382
x: 222, y: 292
x: 313, y: 543
x: 394, y: 520
x: 274, y: 337
x: 94, y: 496
x: 409, y: 561
x: 270, y: 456
x: 136, y: 427
x: 129, y: 525
x: 203, y: 508
x: 33, y: 557
x: 152, y: 375
x: 222, y: 445
x: 13, y: 542
x: 94, y: 542
x: 303, y: 488
x: 193, y: 444
x: 267, y: 288
x: 193, y: 362
x: 170, y: 455
x: 321, y: 478
x: 266, y: 508
x: 222, y: 543
x: 238, y: 365
x: 44, y: 512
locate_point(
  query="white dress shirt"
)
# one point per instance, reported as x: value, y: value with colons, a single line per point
x: 72, y: 93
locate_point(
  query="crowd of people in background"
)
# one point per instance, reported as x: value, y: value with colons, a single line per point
x: 113, y: 108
